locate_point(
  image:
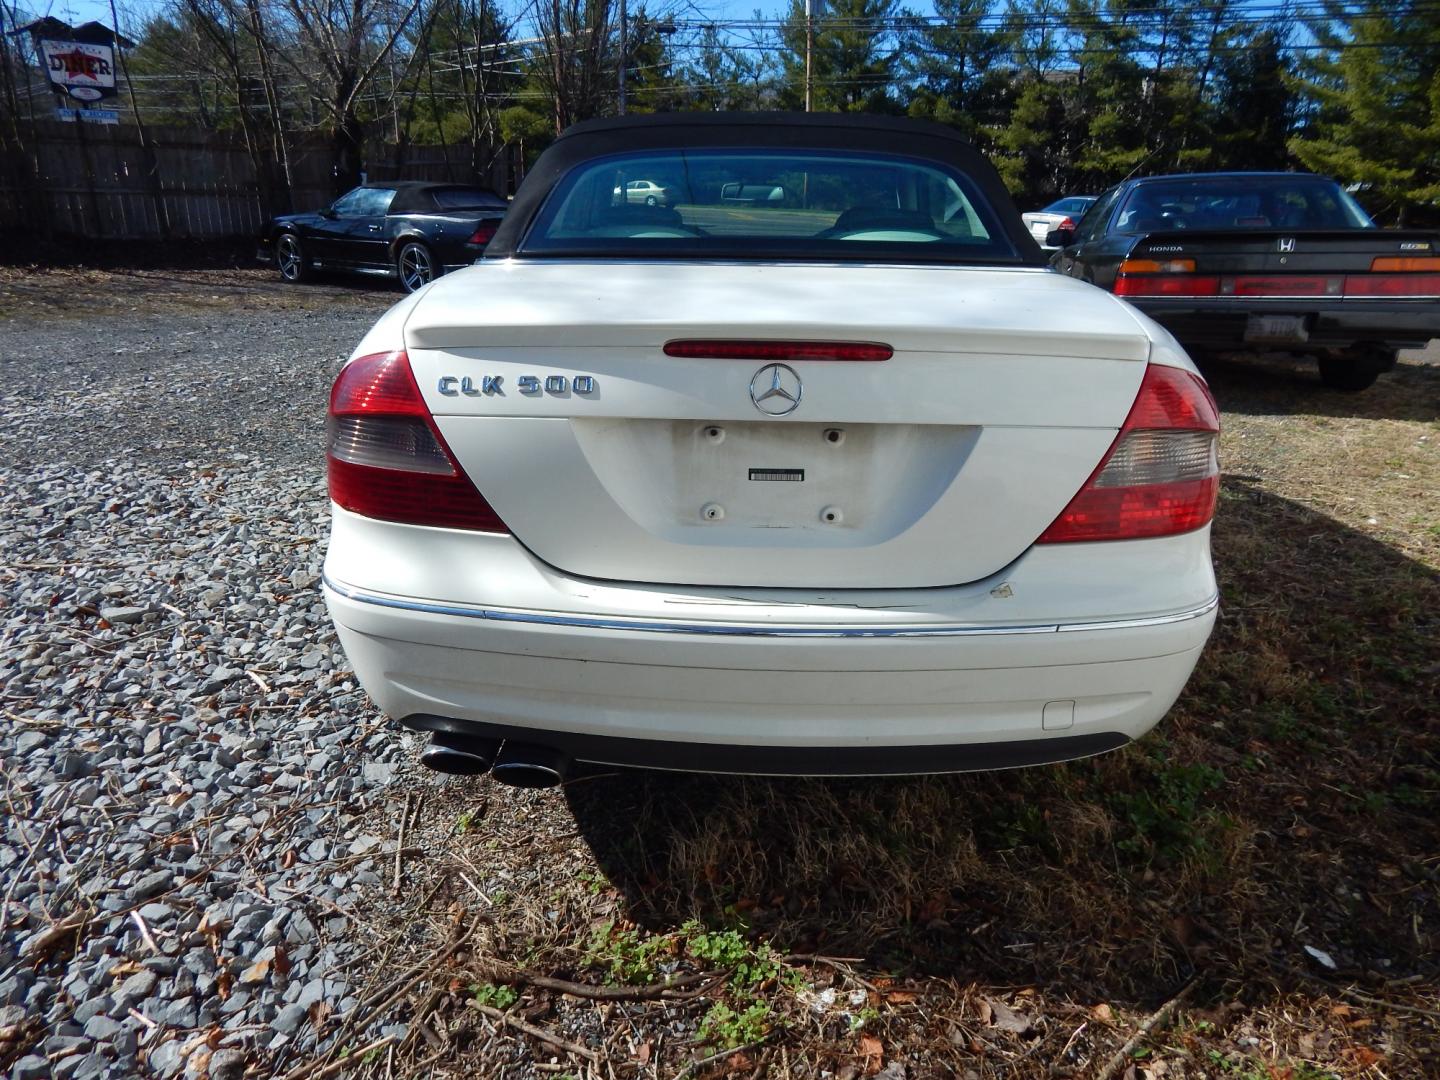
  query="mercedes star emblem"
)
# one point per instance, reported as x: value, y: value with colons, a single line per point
x: 775, y: 389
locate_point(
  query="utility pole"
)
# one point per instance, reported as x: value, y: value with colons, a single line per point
x: 624, y: 57
x: 809, y: 47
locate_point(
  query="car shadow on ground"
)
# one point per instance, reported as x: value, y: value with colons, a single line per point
x: 1291, y: 799
x: 1279, y: 384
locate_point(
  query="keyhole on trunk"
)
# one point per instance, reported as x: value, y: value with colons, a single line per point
x: 834, y: 436
x: 715, y: 433
x: 712, y: 511
x: 832, y: 515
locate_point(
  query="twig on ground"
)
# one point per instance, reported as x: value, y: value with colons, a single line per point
x: 360, y: 1017
x: 1073, y: 1036
x: 665, y: 991
x: 540, y: 1033
x: 420, y: 1015
x: 1158, y: 1018
x: 145, y: 933
x: 315, y: 1071
x: 400, y: 845
x: 836, y: 963
x: 1367, y: 999
x: 695, y: 1066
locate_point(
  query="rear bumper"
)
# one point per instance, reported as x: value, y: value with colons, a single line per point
x: 1220, y: 324
x: 750, y: 760
x: 937, y: 680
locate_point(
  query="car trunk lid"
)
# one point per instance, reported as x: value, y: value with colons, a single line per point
x: 610, y: 459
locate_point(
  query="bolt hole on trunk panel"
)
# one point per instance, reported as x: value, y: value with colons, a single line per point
x: 774, y: 477
x: 659, y: 499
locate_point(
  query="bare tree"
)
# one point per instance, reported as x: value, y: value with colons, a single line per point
x: 575, y: 60
x: 16, y: 149
x: 336, y: 49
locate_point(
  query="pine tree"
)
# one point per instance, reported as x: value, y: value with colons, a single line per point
x: 1254, y: 104
x: 964, y: 67
x: 1374, y: 96
x: 853, y: 61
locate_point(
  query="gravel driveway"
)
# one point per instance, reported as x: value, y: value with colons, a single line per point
x: 185, y: 764
x: 202, y: 818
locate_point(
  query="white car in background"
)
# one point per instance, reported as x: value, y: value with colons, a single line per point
x: 1061, y: 214
x: 858, y: 488
x: 643, y: 192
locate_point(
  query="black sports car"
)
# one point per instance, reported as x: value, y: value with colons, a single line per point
x: 413, y: 231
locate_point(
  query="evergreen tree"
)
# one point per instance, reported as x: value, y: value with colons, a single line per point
x: 854, y: 59
x: 1036, y: 144
x: 1374, y: 95
x: 725, y: 76
x: 963, y: 67
x: 1254, y: 104
x: 1108, y: 93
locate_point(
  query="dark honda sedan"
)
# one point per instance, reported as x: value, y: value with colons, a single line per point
x: 412, y: 231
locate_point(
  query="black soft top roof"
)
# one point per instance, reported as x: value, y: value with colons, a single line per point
x: 802, y: 131
x: 416, y: 196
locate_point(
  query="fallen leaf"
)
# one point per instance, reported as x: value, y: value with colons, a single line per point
x: 1102, y: 1012
x: 222, y: 984
x: 47, y: 941
x: 983, y: 1010
x: 282, y: 960
x: 873, y: 1051
x: 902, y: 997
x: 256, y: 972
x: 1007, y: 1019
x: 642, y: 1052
x: 320, y: 1012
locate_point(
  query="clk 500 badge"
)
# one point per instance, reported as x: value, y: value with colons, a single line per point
x: 454, y: 385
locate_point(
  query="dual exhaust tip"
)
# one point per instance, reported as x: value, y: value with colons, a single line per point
x: 522, y: 765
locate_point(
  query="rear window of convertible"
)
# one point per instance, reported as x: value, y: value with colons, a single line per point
x: 768, y: 204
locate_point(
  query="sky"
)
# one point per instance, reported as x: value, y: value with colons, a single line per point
x: 133, y: 13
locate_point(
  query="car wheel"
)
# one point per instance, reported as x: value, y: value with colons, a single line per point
x: 290, y: 258
x: 650, y: 200
x: 1351, y: 373
x: 416, y: 266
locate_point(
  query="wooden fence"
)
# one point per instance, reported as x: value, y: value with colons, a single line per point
x: 94, y: 181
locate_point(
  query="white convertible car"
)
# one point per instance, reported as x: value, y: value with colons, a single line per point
x: 844, y: 484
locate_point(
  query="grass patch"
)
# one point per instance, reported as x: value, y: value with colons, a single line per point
x: 1023, y: 924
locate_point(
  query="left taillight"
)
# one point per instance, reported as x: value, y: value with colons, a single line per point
x: 1163, y: 277
x: 1161, y: 475
x: 385, y: 457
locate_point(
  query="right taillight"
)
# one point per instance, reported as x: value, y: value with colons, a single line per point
x: 386, y: 459
x: 484, y: 233
x: 1160, y: 476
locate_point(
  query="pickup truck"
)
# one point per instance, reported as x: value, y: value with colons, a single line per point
x: 1262, y: 262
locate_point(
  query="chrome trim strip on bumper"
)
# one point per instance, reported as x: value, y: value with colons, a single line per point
x: 657, y: 626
